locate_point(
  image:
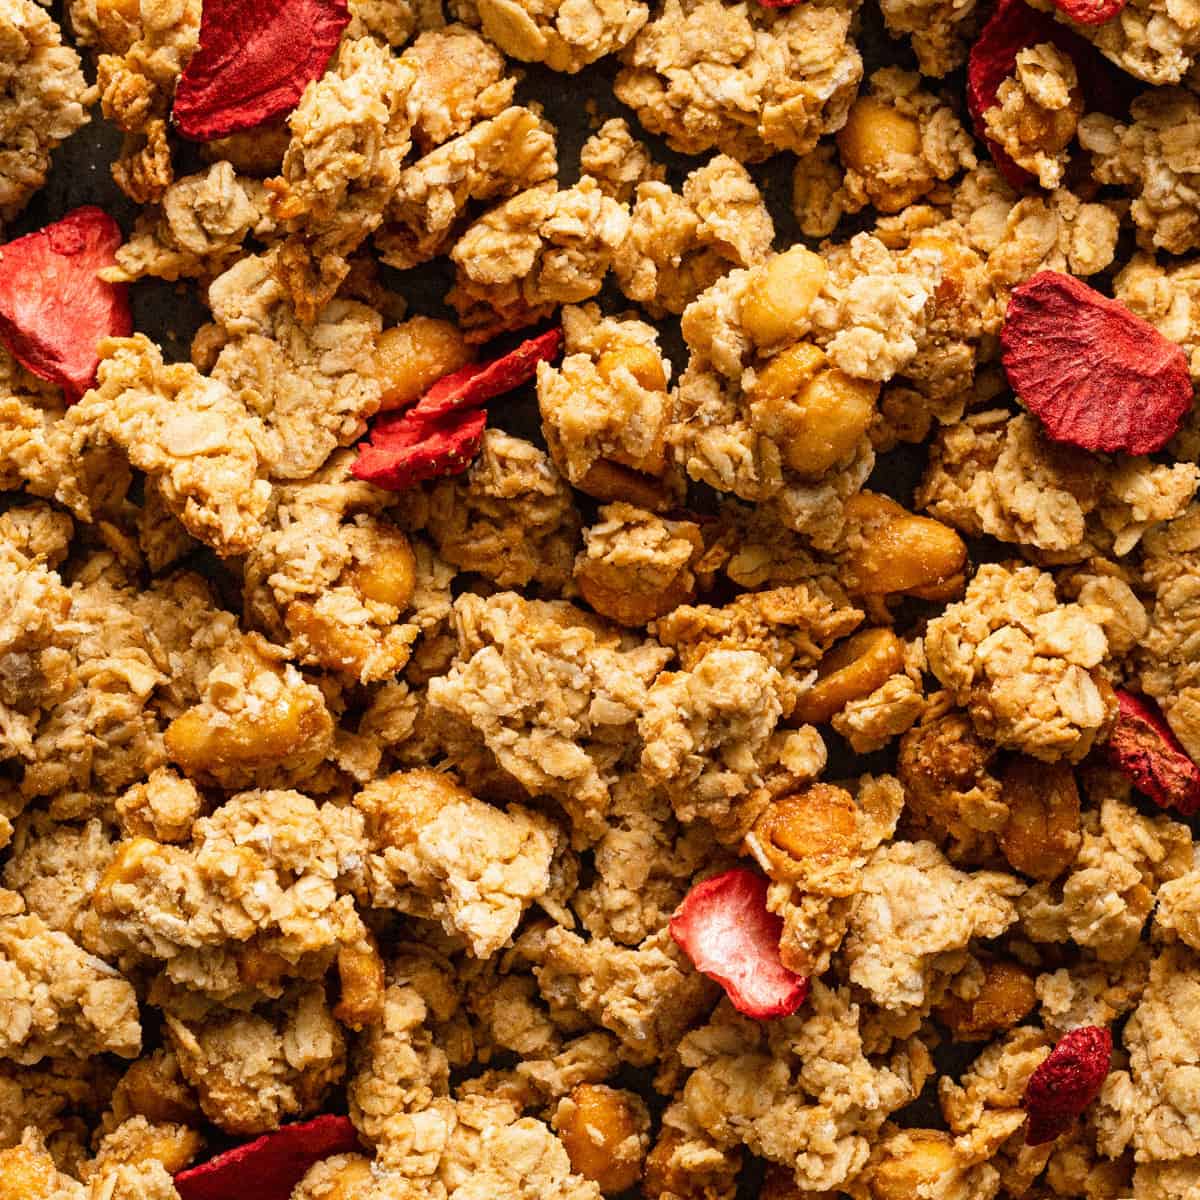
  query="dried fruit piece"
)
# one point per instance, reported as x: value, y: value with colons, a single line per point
x: 406, y: 449
x: 269, y: 1167
x: 724, y: 927
x: 441, y: 433
x: 1013, y: 27
x: 779, y: 3
x: 1066, y: 1083
x: 54, y: 308
x: 1094, y: 374
x: 254, y: 62
x: 477, y: 383
x: 1090, y: 12
x: 1143, y: 747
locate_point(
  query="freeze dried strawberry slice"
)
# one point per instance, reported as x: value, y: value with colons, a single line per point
x: 408, y: 448
x: 269, y: 1167
x: 1143, y: 748
x: 477, y: 383
x: 1090, y: 12
x: 54, y: 308
x: 724, y: 927
x: 254, y: 62
x: 1066, y: 1083
x: 1092, y: 372
x: 1013, y: 27
x: 779, y: 3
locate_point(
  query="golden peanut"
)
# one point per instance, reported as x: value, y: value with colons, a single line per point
x: 345, y: 1177
x: 609, y: 481
x: 601, y: 1128
x: 198, y: 744
x: 632, y: 609
x: 263, y: 970
x: 820, y: 823
x: 26, y: 1174
x: 898, y: 552
x: 153, y: 1089
x: 1041, y: 836
x: 1006, y: 996
x: 174, y: 1146
x: 911, y: 1161
x: 852, y: 669
x: 255, y: 152
x: 412, y: 356
x: 388, y: 573
x: 875, y: 135
x: 780, y: 293
x: 640, y: 361
x: 336, y: 645
x: 362, y: 977
x: 128, y: 866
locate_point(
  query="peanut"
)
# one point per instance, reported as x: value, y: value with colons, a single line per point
x: 780, y: 294
x: 1041, y: 836
x: 852, y: 669
x: 601, y: 1128
x: 362, y: 976
x: 899, y: 552
x: 820, y: 823
x: 1006, y: 996
x: 128, y: 866
x: 388, y: 575
x: 609, y: 481
x: 412, y: 356
x: 640, y: 361
x: 912, y: 1161
x: 633, y: 609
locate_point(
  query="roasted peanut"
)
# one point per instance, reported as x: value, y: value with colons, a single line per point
x: 817, y: 415
x: 634, y: 609
x: 818, y: 824
x: 255, y: 152
x: 154, y: 1089
x: 897, y: 552
x: 1041, y: 836
x: 874, y: 137
x: 362, y: 976
x: 1006, y: 996
x: 412, y: 356
x: 911, y: 1161
x: 342, y: 1177
x: 604, y: 1131
x: 387, y: 572
x: 261, y: 969
x: 852, y: 669
x: 609, y: 481
x: 172, y: 1145
x: 127, y: 866
x: 780, y: 294
x: 640, y: 361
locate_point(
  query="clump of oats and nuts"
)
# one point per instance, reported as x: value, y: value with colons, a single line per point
x: 710, y: 711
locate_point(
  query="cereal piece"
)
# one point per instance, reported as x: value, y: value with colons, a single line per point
x: 436, y: 851
x: 542, y: 248
x: 491, y: 161
x: 253, y: 1070
x: 565, y: 38
x: 1024, y: 666
x: 725, y: 928
x: 27, y: 1172
x: 680, y: 244
x: 746, y: 81
x: 915, y: 916
x: 1104, y: 900
x: 618, y: 161
x: 1066, y: 1082
x: 1094, y: 374
x: 869, y: 722
x: 1144, y: 749
x: 940, y: 31
x: 1092, y: 992
x: 198, y: 229
x: 45, y: 100
x: 553, y: 693
x: 272, y: 1164
x: 897, y: 143
x: 605, y: 410
x: 54, y: 271
x: 59, y: 999
x: 997, y: 474
x: 350, y: 133
x: 1037, y: 112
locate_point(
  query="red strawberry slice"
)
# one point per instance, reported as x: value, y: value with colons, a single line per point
x: 725, y: 928
x: 1144, y: 749
x: 269, y: 1167
x: 54, y: 309
x: 1090, y: 12
x: 406, y: 449
x: 1092, y: 372
x: 254, y: 62
x: 1066, y: 1082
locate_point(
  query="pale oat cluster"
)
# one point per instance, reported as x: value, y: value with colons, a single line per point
x: 317, y: 797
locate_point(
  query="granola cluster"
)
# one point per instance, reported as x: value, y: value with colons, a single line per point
x: 736, y: 734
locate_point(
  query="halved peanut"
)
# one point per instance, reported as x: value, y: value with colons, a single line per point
x: 413, y: 355
x: 388, y: 574
x: 633, y: 609
x: 127, y: 866
x: 852, y: 669
x: 609, y: 481
x: 601, y: 1128
x: 780, y: 294
x: 362, y: 976
x: 640, y: 361
x: 896, y: 551
x: 1006, y: 996
x: 911, y: 1162
x: 1041, y: 836
x: 820, y: 822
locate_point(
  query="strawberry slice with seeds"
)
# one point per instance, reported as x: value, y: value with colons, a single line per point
x: 54, y: 308
x: 270, y: 1167
x: 725, y: 928
x: 1096, y: 375
x: 1090, y: 12
x: 1066, y: 1082
x: 406, y: 449
x: 254, y: 62
x: 1145, y: 750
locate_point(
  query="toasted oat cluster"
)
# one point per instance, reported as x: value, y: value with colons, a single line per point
x: 646, y: 642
